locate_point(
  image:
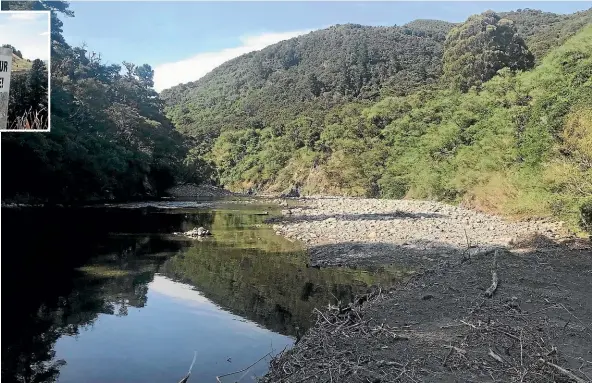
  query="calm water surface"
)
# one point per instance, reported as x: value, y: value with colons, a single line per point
x: 106, y: 294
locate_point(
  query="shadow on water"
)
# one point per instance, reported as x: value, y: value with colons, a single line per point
x: 68, y: 267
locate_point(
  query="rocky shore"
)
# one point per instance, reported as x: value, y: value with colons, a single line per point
x: 354, y: 231
x: 443, y: 325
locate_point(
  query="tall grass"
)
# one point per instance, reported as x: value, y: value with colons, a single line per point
x: 31, y: 120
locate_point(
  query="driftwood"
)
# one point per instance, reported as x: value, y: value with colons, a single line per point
x: 243, y: 370
x: 563, y: 371
x: 495, y: 356
x: 186, y: 378
x: 315, y: 356
x: 489, y: 292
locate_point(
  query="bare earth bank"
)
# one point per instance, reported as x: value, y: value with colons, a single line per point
x: 441, y: 326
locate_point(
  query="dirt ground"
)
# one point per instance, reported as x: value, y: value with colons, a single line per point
x: 440, y: 326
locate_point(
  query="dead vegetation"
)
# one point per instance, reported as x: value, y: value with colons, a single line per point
x: 316, y: 355
x: 527, y: 318
x: 31, y: 120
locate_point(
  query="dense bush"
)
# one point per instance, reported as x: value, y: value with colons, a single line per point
x: 109, y: 137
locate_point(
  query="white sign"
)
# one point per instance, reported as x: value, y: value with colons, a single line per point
x: 5, y: 70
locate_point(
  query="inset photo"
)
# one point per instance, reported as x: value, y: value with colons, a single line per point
x: 25, y: 49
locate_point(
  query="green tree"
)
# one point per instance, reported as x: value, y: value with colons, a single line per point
x: 145, y: 74
x: 37, y: 84
x: 477, y: 49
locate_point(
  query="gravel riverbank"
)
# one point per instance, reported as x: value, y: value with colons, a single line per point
x: 354, y: 231
x: 442, y: 325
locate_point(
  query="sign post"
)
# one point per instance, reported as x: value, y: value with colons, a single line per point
x: 5, y: 70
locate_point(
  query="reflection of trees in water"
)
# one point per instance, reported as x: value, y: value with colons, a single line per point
x: 257, y: 275
x: 246, y: 268
x: 264, y: 287
x: 62, y: 301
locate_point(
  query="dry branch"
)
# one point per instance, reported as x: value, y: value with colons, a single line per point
x: 489, y: 292
x: 563, y: 371
x: 186, y: 378
x: 243, y: 370
x: 317, y: 356
x: 495, y: 356
x: 459, y: 350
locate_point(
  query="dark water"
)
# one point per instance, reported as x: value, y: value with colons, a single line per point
x: 108, y: 295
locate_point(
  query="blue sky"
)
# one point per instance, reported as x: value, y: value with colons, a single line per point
x: 26, y: 31
x: 185, y: 40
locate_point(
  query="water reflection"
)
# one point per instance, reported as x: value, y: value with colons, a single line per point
x: 94, y: 296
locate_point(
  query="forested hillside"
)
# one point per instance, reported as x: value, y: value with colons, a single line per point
x: 28, y: 104
x: 483, y: 119
x: 27, y: 107
x: 108, y: 139
x: 543, y: 31
x: 306, y: 76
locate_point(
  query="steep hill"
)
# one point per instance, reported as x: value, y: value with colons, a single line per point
x: 312, y: 72
x: 20, y: 64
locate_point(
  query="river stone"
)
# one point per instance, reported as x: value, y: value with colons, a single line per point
x: 197, y: 232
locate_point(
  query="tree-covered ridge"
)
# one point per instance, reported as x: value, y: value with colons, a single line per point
x: 308, y: 75
x: 15, y: 51
x: 109, y: 137
x: 543, y: 31
x: 304, y: 75
x: 436, y: 29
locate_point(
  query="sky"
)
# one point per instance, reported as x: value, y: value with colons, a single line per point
x: 183, y: 40
x: 28, y: 32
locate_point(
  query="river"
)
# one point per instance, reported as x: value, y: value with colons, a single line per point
x: 108, y: 294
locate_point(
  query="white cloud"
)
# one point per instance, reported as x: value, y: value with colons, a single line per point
x: 26, y: 16
x: 26, y: 31
x: 191, y: 69
x: 176, y: 290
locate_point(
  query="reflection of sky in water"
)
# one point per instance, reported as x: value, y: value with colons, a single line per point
x: 156, y: 343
